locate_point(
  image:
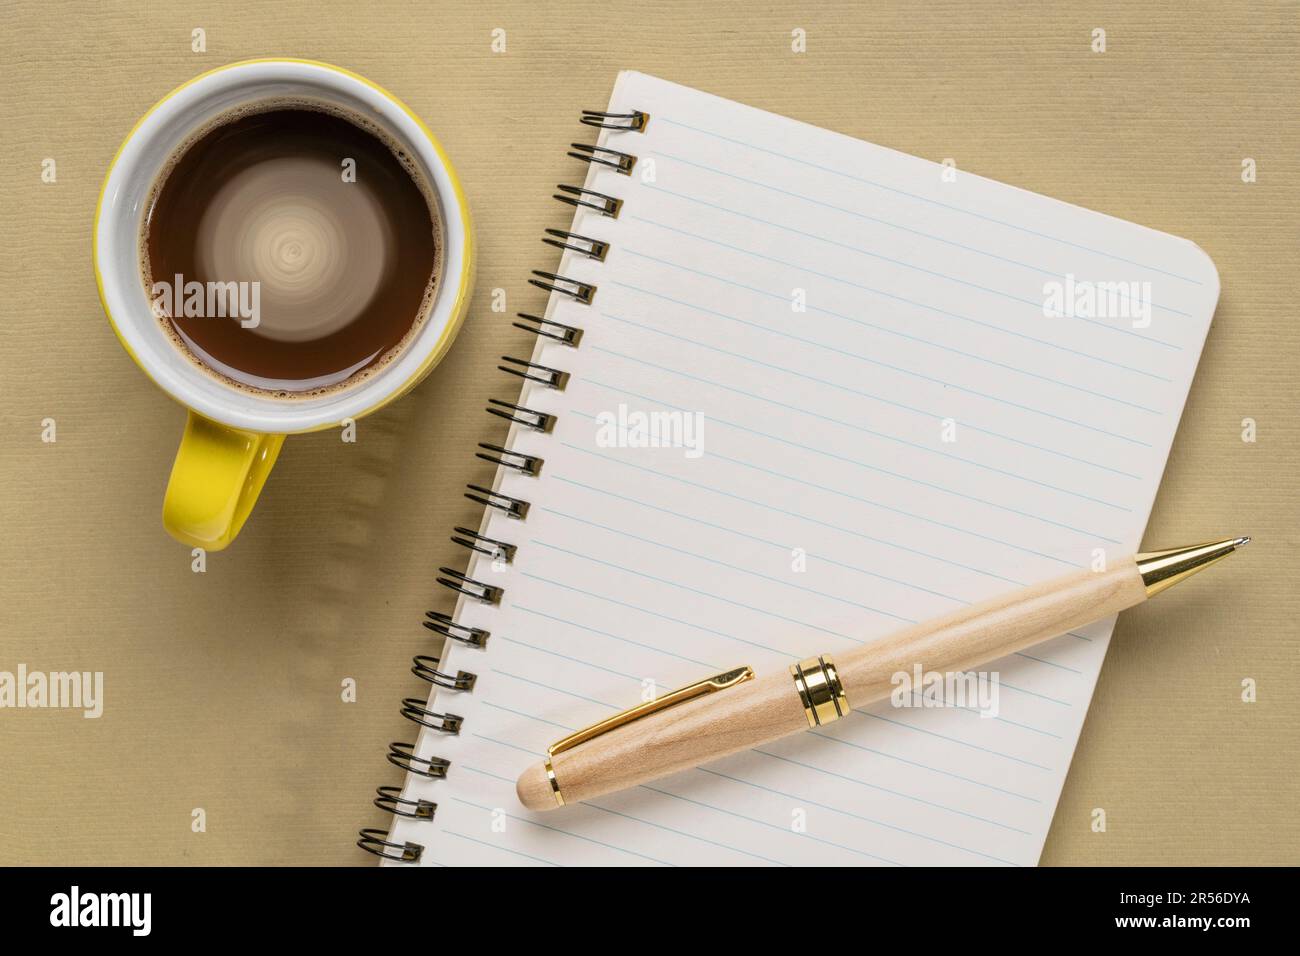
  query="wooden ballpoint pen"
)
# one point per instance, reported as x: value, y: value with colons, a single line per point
x: 735, y: 711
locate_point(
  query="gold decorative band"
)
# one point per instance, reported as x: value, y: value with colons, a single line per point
x: 820, y: 690
x: 555, y: 784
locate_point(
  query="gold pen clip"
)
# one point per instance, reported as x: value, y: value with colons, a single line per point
x: 707, y: 686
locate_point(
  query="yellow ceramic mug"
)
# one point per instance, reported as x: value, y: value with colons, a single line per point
x: 232, y: 438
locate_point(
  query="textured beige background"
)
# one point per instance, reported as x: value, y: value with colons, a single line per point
x: 223, y: 689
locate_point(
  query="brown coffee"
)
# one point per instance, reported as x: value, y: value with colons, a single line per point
x: 291, y: 248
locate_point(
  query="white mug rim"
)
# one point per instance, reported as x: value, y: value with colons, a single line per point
x: 123, y: 294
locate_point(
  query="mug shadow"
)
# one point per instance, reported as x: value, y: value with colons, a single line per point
x: 345, y: 521
x: 374, y: 544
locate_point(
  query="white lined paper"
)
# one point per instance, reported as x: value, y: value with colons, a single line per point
x: 822, y: 432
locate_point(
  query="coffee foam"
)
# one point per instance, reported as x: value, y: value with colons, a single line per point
x: 399, y: 152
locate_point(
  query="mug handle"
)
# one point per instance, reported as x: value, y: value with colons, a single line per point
x: 216, y: 478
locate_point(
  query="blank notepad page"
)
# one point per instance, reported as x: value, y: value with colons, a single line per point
x: 888, y: 390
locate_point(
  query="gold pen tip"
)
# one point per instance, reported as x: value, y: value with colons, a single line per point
x: 1164, y: 569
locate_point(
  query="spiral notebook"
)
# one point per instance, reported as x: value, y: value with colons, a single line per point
x: 792, y: 391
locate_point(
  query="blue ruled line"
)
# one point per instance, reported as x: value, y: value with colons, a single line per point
x: 505, y: 743
x: 558, y: 690
x: 1050, y: 700
x: 858, y: 249
x: 776, y: 544
x: 864, y: 818
x: 1031, y: 729
x: 497, y: 846
x: 714, y: 666
x: 931, y: 416
x: 926, y: 199
x: 922, y: 766
x: 955, y: 740
x: 785, y: 297
x: 519, y: 713
x: 1040, y: 660
x: 914, y: 303
x: 709, y: 594
x: 872, y: 361
x: 850, y: 212
x: 583, y: 662
x: 668, y: 829
x: 544, y: 826
x: 974, y: 534
x: 861, y: 428
x: 752, y: 537
x: 974, y: 712
x: 1092, y: 535
x: 766, y: 577
x: 591, y: 804
x: 771, y: 826
x: 614, y: 637
x: 780, y: 297
x: 866, y: 252
x: 725, y: 564
x: 815, y: 733
x: 892, y: 792
x: 646, y: 610
x: 880, y: 823
x: 811, y: 520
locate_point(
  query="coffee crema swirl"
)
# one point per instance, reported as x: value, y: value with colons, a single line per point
x: 328, y: 219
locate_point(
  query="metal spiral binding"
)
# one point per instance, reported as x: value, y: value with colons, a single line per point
x: 391, y: 799
x: 562, y: 239
x: 521, y: 416
x: 578, y: 291
x: 550, y: 377
x: 414, y: 710
x: 444, y: 625
x: 487, y: 593
x: 549, y: 328
x: 404, y: 756
x: 484, y: 545
x: 372, y: 840
x: 635, y: 121
x: 589, y: 199
x: 426, y: 667
x: 529, y: 465
x: 602, y: 156
x: 512, y: 507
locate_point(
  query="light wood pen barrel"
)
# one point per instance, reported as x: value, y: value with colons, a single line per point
x: 748, y: 713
